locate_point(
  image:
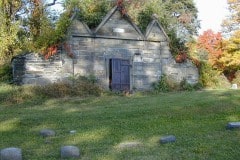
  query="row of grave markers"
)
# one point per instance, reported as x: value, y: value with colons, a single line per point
x: 13, y: 153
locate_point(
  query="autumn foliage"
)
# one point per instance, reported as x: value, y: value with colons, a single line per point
x: 121, y: 7
x: 52, y: 50
x: 212, y: 43
x: 214, y: 54
x: 68, y: 49
x: 181, y: 57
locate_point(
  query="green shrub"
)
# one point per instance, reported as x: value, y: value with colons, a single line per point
x: 223, y: 82
x: 208, y: 76
x: 185, y: 86
x: 167, y: 83
x: 5, y: 73
x: 162, y: 85
x: 211, y: 78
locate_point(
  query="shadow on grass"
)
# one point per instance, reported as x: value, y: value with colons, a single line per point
x: 197, y: 119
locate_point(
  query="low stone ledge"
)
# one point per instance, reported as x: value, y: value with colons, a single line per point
x: 11, y: 154
x: 70, y: 152
x: 167, y: 139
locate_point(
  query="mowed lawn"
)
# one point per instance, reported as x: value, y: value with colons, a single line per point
x: 104, y: 124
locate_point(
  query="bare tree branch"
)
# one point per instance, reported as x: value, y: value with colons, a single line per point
x: 51, y: 4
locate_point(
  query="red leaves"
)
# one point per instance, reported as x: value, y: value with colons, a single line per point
x: 119, y: 2
x: 181, y: 57
x: 68, y: 49
x: 52, y: 50
x: 121, y: 7
x: 212, y: 43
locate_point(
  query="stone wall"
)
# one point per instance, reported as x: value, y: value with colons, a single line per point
x: 148, y: 64
x: 93, y: 56
x: 177, y: 71
x: 91, y: 52
x: 34, y: 69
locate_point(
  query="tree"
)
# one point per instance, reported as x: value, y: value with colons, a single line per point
x: 30, y: 19
x: 231, y: 23
x: 179, y: 18
x: 231, y: 56
x: 211, y: 43
x: 14, y: 28
x: 231, y: 29
x: 206, y: 52
x: 9, y: 28
x: 44, y: 29
x: 91, y: 11
x: 175, y: 16
x: 38, y: 16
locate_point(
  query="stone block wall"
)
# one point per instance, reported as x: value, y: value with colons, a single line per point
x: 149, y: 60
x: 92, y: 51
x: 34, y: 69
x: 93, y: 58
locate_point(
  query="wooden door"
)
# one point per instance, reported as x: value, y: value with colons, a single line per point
x: 120, y: 74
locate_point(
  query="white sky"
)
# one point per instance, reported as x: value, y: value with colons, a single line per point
x: 211, y: 13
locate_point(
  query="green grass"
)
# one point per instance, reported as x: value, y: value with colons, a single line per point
x: 197, y: 119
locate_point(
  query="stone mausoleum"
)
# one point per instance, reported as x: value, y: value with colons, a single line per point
x: 117, y: 53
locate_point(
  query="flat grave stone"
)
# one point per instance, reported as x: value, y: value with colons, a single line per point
x: 132, y: 144
x: 47, y: 133
x: 72, y: 131
x: 167, y: 139
x: 234, y: 86
x: 70, y: 152
x: 11, y: 154
x: 233, y: 125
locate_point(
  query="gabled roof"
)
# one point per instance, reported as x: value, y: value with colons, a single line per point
x: 117, y: 26
x: 79, y: 28
x: 115, y: 12
x: 155, y: 32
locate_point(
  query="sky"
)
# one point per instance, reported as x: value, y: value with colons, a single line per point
x: 211, y: 13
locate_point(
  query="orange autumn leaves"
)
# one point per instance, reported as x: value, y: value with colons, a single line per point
x: 212, y: 43
x: 53, y: 50
x: 222, y: 54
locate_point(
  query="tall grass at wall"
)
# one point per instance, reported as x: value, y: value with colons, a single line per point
x: 167, y: 83
x: 80, y: 87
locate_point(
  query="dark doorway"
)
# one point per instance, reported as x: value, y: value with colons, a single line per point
x: 119, y: 75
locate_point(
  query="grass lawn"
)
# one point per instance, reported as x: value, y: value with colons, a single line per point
x: 103, y: 124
